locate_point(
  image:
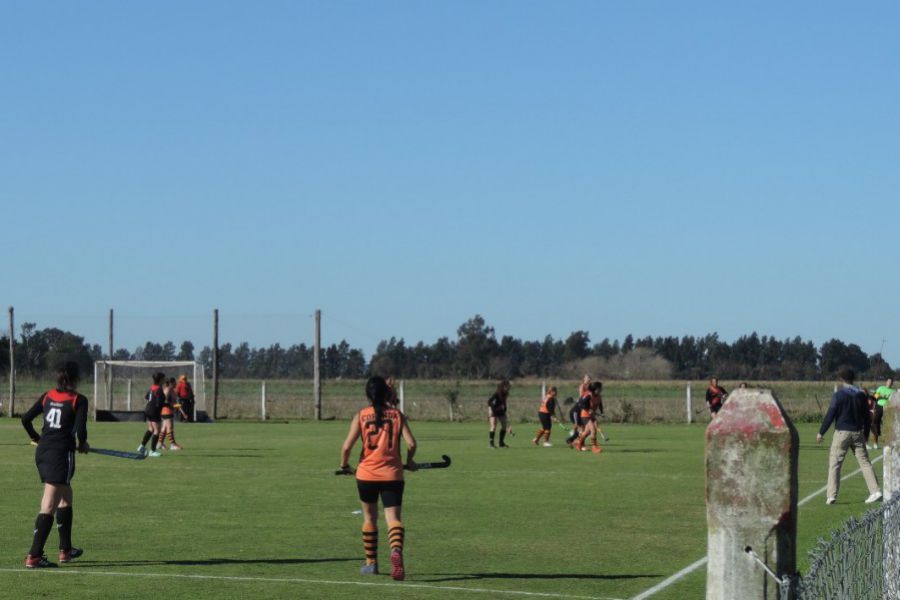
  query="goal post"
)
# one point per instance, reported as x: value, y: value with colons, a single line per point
x: 120, y: 386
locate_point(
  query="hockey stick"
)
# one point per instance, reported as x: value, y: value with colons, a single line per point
x: 818, y: 403
x: 118, y: 453
x: 422, y: 465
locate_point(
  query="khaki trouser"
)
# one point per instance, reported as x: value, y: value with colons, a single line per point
x: 840, y: 443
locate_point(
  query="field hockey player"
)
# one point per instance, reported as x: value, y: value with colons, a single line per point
x: 380, y: 472
x: 546, y: 413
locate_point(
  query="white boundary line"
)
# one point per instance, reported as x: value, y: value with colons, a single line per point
x: 694, y: 566
x: 313, y: 581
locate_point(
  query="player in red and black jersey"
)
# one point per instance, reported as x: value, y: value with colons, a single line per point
x: 715, y: 396
x: 156, y: 398
x: 167, y: 415
x: 65, y: 421
x: 380, y: 472
x: 497, y: 412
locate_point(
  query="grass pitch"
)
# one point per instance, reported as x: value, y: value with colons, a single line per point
x: 252, y: 510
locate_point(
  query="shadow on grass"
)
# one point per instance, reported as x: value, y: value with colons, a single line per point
x: 211, y: 562
x: 438, y: 577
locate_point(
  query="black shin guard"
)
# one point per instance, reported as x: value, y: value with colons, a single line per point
x: 64, y: 527
x: 146, y: 438
x: 42, y: 526
x: 502, y: 436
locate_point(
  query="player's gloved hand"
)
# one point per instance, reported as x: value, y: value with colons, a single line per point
x: 83, y: 448
x: 347, y: 469
x: 36, y: 441
x: 411, y: 465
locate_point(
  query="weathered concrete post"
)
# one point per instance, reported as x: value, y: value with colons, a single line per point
x: 891, y: 483
x: 891, y: 466
x: 751, y: 496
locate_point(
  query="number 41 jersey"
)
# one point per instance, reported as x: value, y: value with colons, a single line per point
x: 65, y: 415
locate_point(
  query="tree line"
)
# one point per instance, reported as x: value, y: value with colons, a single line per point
x: 476, y: 353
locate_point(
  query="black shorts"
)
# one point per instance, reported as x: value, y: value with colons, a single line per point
x: 877, y: 419
x: 391, y: 492
x: 546, y: 423
x: 55, y: 466
x: 152, y: 418
x: 714, y: 408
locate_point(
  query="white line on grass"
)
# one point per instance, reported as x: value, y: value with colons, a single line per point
x: 694, y: 566
x: 313, y: 581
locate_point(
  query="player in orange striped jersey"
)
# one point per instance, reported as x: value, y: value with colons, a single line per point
x: 380, y: 472
x: 545, y: 414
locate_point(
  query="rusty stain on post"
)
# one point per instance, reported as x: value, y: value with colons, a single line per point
x: 751, y: 496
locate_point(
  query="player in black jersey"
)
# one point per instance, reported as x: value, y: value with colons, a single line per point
x: 156, y: 398
x: 64, y: 420
x: 497, y: 412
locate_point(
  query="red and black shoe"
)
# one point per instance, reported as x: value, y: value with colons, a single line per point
x: 67, y: 555
x: 397, y: 571
x: 38, y: 562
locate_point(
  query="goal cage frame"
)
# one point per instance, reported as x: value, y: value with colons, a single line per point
x: 121, y: 385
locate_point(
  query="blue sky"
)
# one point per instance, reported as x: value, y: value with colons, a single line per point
x: 654, y: 168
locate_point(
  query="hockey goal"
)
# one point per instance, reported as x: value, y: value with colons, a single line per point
x: 121, y: 385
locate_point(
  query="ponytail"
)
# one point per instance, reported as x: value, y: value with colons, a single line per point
x: 67, y: 376
x: 377, y: 392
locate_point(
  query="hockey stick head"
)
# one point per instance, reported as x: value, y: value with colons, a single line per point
x: 119, y: 453
x: 435, y: 465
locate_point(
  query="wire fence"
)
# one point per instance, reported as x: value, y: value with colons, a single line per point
x: 861, y: 561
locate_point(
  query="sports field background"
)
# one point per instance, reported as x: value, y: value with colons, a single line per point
x: 624, y: 401
x: 252, y: 510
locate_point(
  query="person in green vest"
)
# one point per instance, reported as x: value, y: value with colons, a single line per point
x: 882, y: 396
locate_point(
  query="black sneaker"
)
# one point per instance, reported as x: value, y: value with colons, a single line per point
x: 38, y: 562
x: 67, y: 555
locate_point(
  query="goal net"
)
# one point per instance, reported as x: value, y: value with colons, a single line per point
x: 121, y: 385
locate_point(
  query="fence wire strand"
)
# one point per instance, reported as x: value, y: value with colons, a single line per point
x: 861, y: 561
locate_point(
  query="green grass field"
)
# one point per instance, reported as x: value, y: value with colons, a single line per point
x: 252, y: 510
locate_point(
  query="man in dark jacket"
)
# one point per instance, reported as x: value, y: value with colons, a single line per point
x: 849, y: 412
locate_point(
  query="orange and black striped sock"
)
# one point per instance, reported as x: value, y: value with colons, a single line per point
x: 395, y: 534
x: 594, y: 440
x: 370, y: 542
x: 539, y: 435
x: 172, y: 436
x: 547, y: 435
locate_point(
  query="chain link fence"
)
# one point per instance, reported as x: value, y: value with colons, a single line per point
x: 861, y: 561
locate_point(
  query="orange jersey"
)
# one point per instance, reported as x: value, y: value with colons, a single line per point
x: 548, y: 405
x: 380, y: 457
x: 589, y: 411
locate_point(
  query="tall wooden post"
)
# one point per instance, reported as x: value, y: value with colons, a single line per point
x: 262, y: 399
x: 108, y: 370
x: 751, y: 497
x: 317, y: 375
x: 12, y: 362
x: 215, y: 363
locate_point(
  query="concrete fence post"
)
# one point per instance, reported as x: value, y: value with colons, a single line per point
x: 751, y: 497
x: 891, y: 488
x: 690, y: 406
x: 891, y: 464
x: 262, y: 402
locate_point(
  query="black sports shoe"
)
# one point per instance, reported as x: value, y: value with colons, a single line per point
x: 67, y: 555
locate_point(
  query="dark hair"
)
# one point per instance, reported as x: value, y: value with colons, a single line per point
x: 596, y: 387
x: 847, y: 374
x: 503, y: 388
x: 67, y: 376
x: 171, y: 381
x: 378, y: 393
x: 158, y: 378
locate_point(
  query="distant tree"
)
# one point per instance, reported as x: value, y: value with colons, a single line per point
x: 186, y: 352
x: 475, y: 347
x: 628, y: 344
x: 577, y: 346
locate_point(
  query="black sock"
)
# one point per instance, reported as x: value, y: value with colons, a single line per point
x: 64, y: 527
x: 502, y: 436
x: 491, y: 435
x: 153, y: 443
x: 146, y: 439
x: 42, y: 526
